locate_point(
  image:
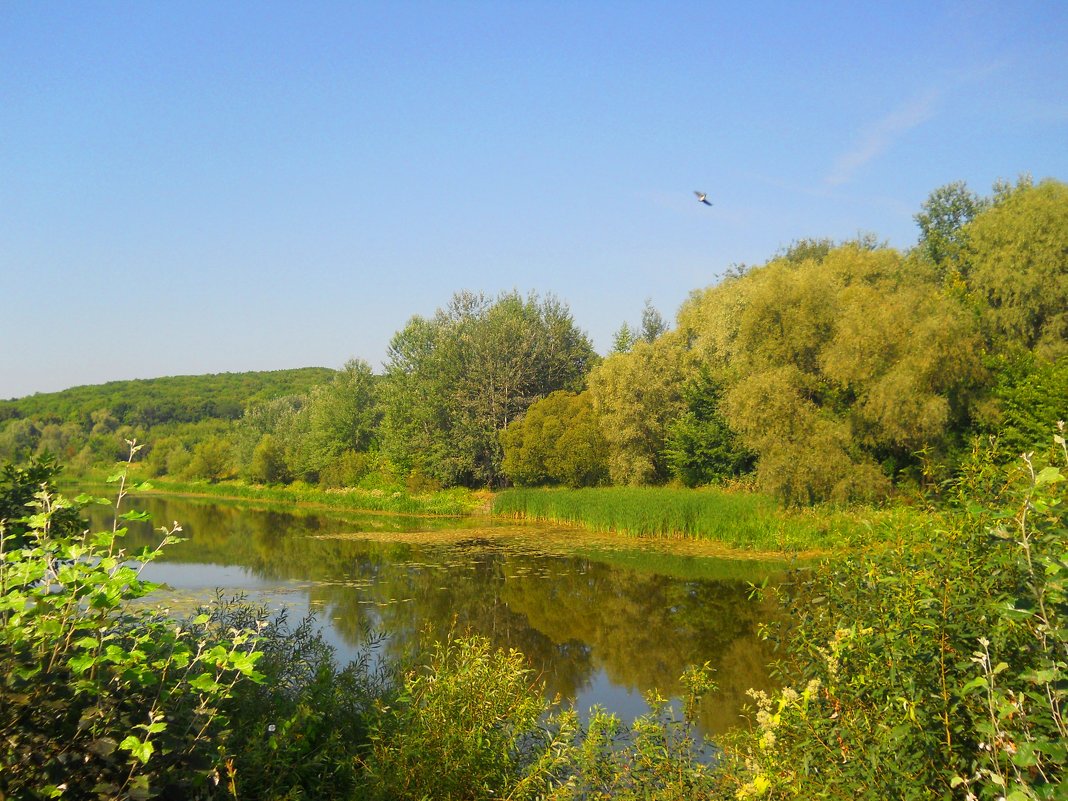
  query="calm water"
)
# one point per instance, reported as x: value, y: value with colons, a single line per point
x: 602, y: 619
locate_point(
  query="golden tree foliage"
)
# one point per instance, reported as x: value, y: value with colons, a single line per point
x: 834, y: 364
x: 1017, y: 265
x: 635, y: 396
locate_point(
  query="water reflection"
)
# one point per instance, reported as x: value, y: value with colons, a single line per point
x: 602, y: 620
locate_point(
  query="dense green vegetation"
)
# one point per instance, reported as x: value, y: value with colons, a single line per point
x: 455, y: 501
x: 89, y: 425
x: 741, y: 520
x: 932, y: 666
x: 835, y: 372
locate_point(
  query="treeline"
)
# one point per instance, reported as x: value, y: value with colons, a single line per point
x: 835, y: 371
x: 88, y: 425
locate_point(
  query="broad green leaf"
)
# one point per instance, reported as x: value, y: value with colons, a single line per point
x: 81, y: 663
x: 141, y: 751
x: 1048, y: 475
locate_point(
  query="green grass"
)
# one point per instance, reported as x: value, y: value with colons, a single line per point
x: 452, y: 502
x: 747, y: 521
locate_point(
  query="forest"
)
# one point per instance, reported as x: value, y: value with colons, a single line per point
x: 834, y: 372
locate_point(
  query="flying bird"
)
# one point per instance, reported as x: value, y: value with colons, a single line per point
x: 702, y: 198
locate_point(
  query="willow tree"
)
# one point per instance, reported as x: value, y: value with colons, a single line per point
x: 557, y: 441
x: 838, y: 368
x: 636, y: 395
x: 456, y: 380
x: 1017, y: 267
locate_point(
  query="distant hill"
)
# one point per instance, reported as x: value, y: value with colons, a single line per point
x: 181, y: 399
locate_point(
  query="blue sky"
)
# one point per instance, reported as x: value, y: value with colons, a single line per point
x: 206, y: 187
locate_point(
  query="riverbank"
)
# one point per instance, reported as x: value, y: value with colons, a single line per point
x: 456, y: 502
x: 743, y: 521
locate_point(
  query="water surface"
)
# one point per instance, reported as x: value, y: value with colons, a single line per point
x: 602, y: 619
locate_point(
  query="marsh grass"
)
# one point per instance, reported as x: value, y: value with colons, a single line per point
x: 746, y: 521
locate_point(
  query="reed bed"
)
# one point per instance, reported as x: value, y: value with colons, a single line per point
x: 747, y: 521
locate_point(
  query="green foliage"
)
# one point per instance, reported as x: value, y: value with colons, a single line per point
x: 657, y: 757
x: 150, y: 402
x: 268, y: 464
x: 18, y: 439
x: 741, y: 520
x: 19, y: 486
x: 454, y: 382
x: 394, y: 498
x: 1025, y: 698
x: 297, y: 733
x: 804, y: 250
x: 1029, y: 395
x: 700, y: 447
x: 929, y: 668
x: 623, y: 339
x: 834, y: 367
x: 98, y: 698
x: 1017, y: 267
x: 347, y: 469
x: 468, y: 725
x: 942, y: 220
x: 212, y: 459
x: 635, y: 395
x: 557, y: 441
x: 653, y: 324
x: 342, y: 416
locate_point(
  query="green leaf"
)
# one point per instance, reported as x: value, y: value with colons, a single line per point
x: 205, y: 683
x: 1048, y: 475
x: 141, y: 751
x: 81, y: 663
x: 1024, y: 756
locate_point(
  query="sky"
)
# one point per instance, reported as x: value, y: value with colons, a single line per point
x: 202, y: 187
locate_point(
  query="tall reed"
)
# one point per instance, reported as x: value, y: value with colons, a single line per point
x: 740, y: 520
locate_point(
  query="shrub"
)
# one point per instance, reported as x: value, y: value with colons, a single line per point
x: 100, y: 699
x: 468, y: 725
x: 932, y: 667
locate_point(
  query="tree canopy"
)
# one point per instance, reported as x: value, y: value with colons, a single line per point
x: 455, y: 381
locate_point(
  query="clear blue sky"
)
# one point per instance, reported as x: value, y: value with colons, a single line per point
x: 204, y: 187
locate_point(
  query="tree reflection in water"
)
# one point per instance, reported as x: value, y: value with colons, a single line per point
x: 593, y: 615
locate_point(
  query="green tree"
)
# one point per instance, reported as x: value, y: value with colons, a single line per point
x: 1028, y: 396
x: 557, y: 441
x: 18, y: 439
x: 212, y: 459
x: 623, y: 339
x: 455, y: 381
x: 1017, y: 257
x: 102, y: 698
x: 269, y: 462
x: 653, y: 324
x: 943, y: 221
x: 635, y: 396
x: 701, y: 448
x: 837, y: 370
x: 343, y: 416
x: 287, y: 420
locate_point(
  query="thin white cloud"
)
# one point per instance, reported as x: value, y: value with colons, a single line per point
x: 878, y: 139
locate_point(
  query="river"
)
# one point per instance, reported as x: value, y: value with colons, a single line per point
x: 602, y: 619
